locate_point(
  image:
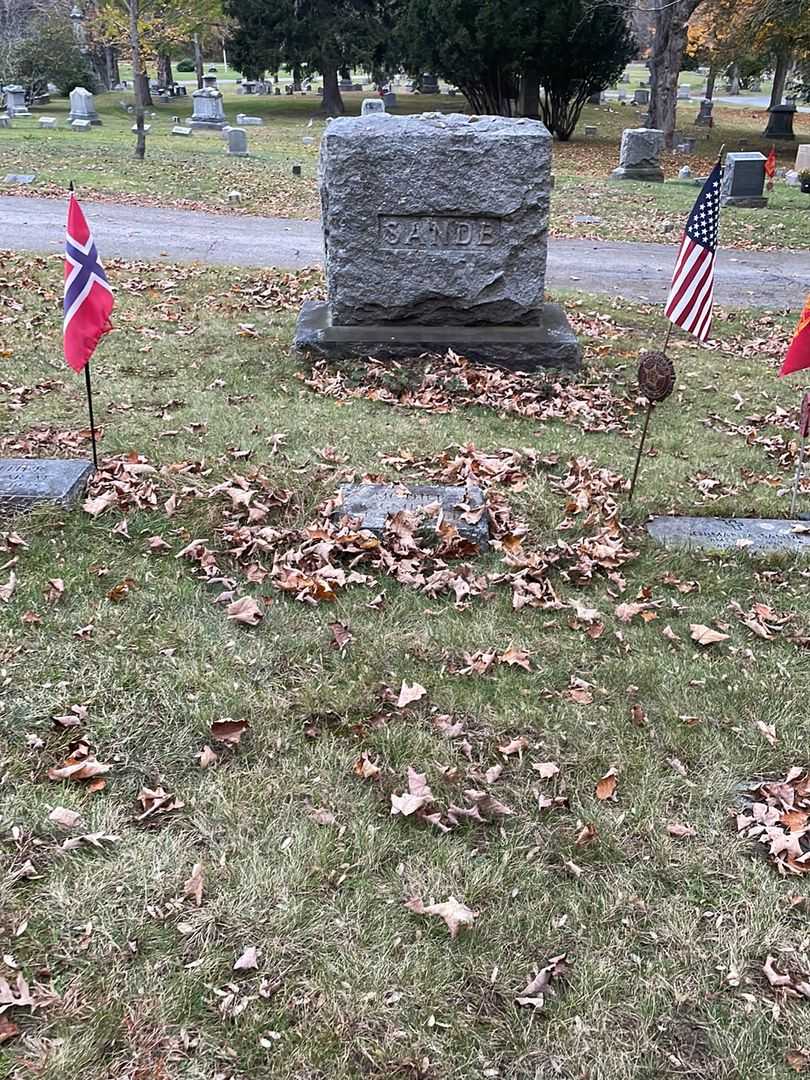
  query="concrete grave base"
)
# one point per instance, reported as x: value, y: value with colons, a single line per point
x: 551, y: 343
x: 29, y: 482
x: 749, y: 202
x: 206, y: 125
x: 628, y: 173
x: 760, y: 536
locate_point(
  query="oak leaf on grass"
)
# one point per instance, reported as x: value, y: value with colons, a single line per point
x: 606, y: 785
x: 228, y: 731
x: 409, y: 694
x: 246, y: 611
x: 705, y: 635
x: 248, y: 961
x: 194, y: 885
x: 534, y: 995
x: 456, y: 915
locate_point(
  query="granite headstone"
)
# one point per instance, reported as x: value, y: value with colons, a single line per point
x: 640, y: 155
x: 744, y: 181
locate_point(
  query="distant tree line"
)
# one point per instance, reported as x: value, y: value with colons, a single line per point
x: 536, y: 58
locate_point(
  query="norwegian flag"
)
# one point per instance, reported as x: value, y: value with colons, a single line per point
x: 691, y: 295
x: 88, y: 296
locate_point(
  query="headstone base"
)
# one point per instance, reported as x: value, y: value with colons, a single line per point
x: 760, y: 536
x: 29, y: 482
x: 750, y: 202
x: 94, y: 120
x: 206, y: 125
x: 374, y: 503
x: 551, y: 343
x: 624, y: 172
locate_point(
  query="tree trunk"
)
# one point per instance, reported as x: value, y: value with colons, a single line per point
x: 165, y: 76
x: 780, y: 78
x: 332, y: 101
x: 146, y: 93
x: 665, y: 63
x: 711, y: 79
x: 111, y: 60
x: 137, y: 80
x: 529, y: 102
x: 296, y: 78
x: 198, y: 61
x: 734, y: 80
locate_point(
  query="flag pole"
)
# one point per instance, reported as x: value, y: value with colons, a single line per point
x: 89, y: 390
x: 90, y: 410
x: 798, y: 476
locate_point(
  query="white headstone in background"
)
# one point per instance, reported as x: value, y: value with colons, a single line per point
x: 179, y: 129
x: 80, y: 125
x: 47, y: 121
x: 82, y: 106
x: 372, y: 105
x: 249, y: 121
x: 15, y: 101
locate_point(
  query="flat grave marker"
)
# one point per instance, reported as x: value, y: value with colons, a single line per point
x: 29, y: 482
x: 760, y: 536
x: 374, y: 503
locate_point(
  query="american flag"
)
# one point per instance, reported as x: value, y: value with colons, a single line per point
x: 691, y: 295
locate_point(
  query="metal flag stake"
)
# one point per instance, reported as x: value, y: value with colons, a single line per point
x: 804, y: 432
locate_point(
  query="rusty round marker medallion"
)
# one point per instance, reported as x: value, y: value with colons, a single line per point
x: 656, y: 376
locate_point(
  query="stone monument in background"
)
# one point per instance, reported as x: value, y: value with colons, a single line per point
x: 208, y: 113
x: 436, y: 232
x: 83, y: 106
x: 15, y: 101
x: 640, y: 155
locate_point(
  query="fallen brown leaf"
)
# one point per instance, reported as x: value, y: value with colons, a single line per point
x: 228, y: 731
x: 245, y: 611
x: 193, y: 886
x: 455, y: 914
x: 606, y: 786
x: 409, y: 694
x: 705, y: 635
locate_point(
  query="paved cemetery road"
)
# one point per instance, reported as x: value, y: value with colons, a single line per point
x: 635, y: 271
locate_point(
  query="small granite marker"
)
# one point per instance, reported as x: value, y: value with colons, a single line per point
x: 29, y: 482
x: 744, y: 181
x: 373, y: 504
x: 761, y: 536
x: 19, y: 178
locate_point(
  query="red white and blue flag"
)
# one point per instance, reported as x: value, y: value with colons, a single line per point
x: 691, y: 295
x: 88, y: 296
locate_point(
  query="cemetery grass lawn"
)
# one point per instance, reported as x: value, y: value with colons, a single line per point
x: 197, y: 173
x: 665, y: 937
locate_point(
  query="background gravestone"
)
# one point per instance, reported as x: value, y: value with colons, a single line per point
x: 29, y: 482
x: 744, y: 181
x: 451, y: 199
x: 640, y: 155
x: 208, y: 111
x: 15, y: 101
x: 82, y: 106
x: 704, y: 117
x: 237, y: 142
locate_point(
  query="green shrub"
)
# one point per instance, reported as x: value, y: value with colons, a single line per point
x: 185, y: 65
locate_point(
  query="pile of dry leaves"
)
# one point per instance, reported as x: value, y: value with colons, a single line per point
x: 442, y: 384
x: 777, y: 815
